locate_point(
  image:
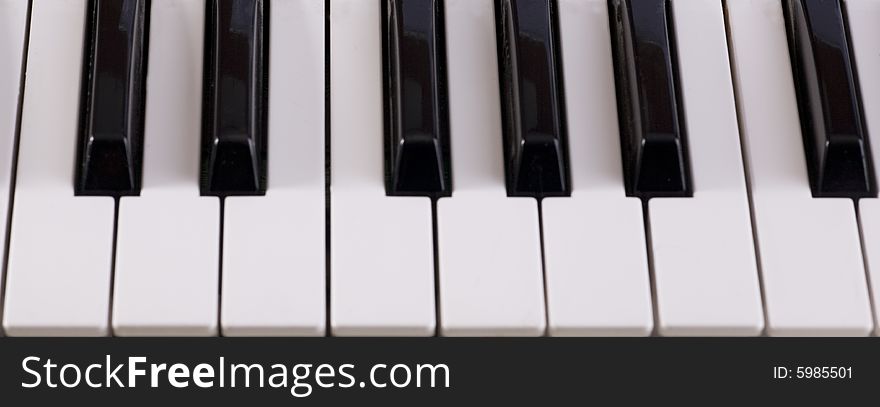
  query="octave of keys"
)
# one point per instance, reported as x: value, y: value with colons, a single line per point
x: 452, y: 167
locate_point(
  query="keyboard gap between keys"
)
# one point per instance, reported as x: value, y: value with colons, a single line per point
x: 746, y: 168
x: 872, y: 299
x: 19, y: 100
x: 652, y: 279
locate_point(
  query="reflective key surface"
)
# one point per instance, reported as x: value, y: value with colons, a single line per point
x: 112, y: 122
x: 649, y: 101
x: 234, y: 137
x: 415, y: 96
x: 532, y: 107
x: 835, y: 136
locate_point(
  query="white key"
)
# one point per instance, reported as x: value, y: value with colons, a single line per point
x: 863, y: 16
x: 167, y: 249
x: 594, y: 241
x: 705, y: 270
x: 810, y: 254
x: 381, y: 249
x: 273, y: 246
x: 13, y: 16
x: 489, y: 250
x: 61, y: 245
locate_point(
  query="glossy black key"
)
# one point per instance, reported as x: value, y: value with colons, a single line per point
x: 652, y: 130
x: 835, y: 136
x: 110, y: 148
x: 235, y: 109
x: 532, y: 103
x: 415, y: 94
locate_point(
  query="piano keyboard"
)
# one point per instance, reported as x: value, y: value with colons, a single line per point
x: 448, y: 167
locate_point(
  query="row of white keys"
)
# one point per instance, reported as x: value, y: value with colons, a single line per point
x: 60, y: 253
x: 13, y: 20
x: 168, y: 239
x: 864, y: 30
x: 705, y: 272
x: 809, y: 248
x: 381, y: 250
x: 594, y: 241
x: 273, y: 246
x: 489, y: 246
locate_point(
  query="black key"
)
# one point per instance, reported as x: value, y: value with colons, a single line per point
x: 416, y: 100
x: 655, y: 156
x: 532, y: 103
x: 110, y: 148
x: 832, y: 122
x: 235, y: 109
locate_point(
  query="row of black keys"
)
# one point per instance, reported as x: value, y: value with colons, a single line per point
x: 417, y: 141
x: 234, y: 107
